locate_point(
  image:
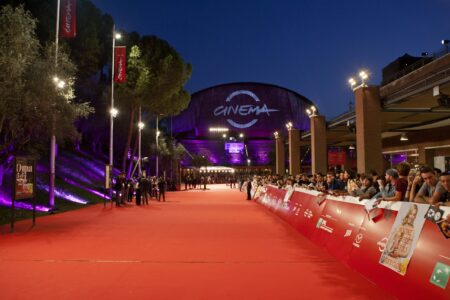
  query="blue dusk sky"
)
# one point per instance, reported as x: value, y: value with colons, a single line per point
x: 311, y: 47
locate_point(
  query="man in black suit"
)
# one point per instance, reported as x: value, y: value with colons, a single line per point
x: 162, y: 189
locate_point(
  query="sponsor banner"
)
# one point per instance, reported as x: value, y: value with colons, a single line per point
x: 24, y: 178
x: 305, y: 213
x: 120, y: 61
x: 339, y: 228
x: 403, y: 237
x: 68, y: 19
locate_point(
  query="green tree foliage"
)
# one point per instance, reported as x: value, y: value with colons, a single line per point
x: 33, y: 107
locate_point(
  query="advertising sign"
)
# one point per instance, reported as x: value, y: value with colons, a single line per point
x: 120, y: 62
x: 403, y: 237
x: 24, y: 178
x: 108, y: 176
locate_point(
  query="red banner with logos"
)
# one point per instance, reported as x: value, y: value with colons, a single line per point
x: 68, y: 19
x: 336, y: 158
x: 346, y: 231
x: 120, y: 61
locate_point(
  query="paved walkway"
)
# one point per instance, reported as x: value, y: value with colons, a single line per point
x: 198, y: 245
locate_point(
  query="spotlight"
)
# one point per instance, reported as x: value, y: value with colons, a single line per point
x: 351, y: 147
x: 276, y: 134
x: 224, y: 135
x: 117, y: 36
x: 404, y: 137
x: 289, y: 125
x: 352, y: 82
x: 141, y: 125
x: 241, y: 135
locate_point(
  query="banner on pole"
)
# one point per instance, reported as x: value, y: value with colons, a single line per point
x: 68, y: 19
x: 24, y: 178
x: 120, y: 58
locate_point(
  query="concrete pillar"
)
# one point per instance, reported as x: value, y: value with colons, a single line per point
x: 294, y: 151
x: 368, y: 130
x: 279, y: 155
x: 319, y: 145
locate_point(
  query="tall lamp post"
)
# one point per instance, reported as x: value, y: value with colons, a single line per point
x: 141, y: 126
x: 113, y: 111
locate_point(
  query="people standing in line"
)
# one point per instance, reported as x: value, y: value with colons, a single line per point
x: 162, y: 189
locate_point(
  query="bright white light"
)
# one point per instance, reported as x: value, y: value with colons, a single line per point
x: 249, y: 161
x: 351, y: 147
x: 308, y: 111
x: 363, y: 75
x: 276, y: 134
x: 117, y: 36
x: 114, y: 112
x: 289, y: 125
x: 141, y: 125
x: 404, y: 137
x: 352, y: 81
x: 55, y: 79
x: 158, y: 133
x: 241, y: 135
x: 218, y: 129
x: 231, y: 138
x: 224, y: 135
x: 61, y: 84
x: 313, y: 108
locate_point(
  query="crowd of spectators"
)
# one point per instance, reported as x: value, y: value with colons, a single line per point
x: 402, y: 183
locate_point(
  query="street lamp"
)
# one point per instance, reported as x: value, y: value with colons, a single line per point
x: 141, y: 126
x: 363, y: 75
x: 289, y: 125
x: 312, y: 111
x: 113, y: 110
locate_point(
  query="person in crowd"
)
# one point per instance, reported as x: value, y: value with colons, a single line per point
x: 144, y: 187
x: 138, y: 193
x: 400, y: 184
x: 249, y: 189
x: 367, y: 189
x: 442, y: 196
x: 119, y: 187
x: 430, y: 185
x: 350, y: 178
x: 333, y: 183
x: 162, y: 189
x: 386, y: 189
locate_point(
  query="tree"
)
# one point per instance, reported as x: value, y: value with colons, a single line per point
x: 32, y: 107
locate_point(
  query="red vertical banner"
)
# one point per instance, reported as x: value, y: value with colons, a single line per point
x: 120, y: 59
x: 68, y: 19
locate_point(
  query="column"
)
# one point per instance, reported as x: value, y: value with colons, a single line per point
x: 318, y: 145
x: 294, y: 151
x: 368, y: 129
x: 280, y: 168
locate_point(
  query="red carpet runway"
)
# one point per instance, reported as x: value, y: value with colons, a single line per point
x: 198, y: 245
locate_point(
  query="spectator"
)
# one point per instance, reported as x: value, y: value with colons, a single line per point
x: 442, y: 197
x: 350, y: 178
x: 333, y: 183
x: 400, y: 184
x: 367, y: 189
x: 430, y: 185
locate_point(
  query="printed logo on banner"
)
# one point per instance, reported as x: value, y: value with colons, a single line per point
x: 382, y: 244
x: 348, y: 232
x: 434, y: 214
x: 440, y: 275
x: 308, y: 214
x: 358, y: 239
x: 322, y: 224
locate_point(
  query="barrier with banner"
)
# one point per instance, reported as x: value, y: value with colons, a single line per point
x: 343, y: 227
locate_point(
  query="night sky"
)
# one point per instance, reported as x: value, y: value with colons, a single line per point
x: 311, y: 47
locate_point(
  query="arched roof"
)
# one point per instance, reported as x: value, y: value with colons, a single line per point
x: 256, y: 109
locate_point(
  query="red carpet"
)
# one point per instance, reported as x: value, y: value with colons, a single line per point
x: 198, y: 245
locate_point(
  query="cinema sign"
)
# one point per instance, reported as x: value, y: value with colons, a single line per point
x: 236, y: 113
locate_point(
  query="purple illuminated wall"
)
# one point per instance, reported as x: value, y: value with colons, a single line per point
x: 257, y: 110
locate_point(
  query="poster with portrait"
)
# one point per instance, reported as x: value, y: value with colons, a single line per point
x: 403, y: 237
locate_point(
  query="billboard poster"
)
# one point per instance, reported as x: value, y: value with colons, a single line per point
x: 24, y: 178
x: 403, y: 237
